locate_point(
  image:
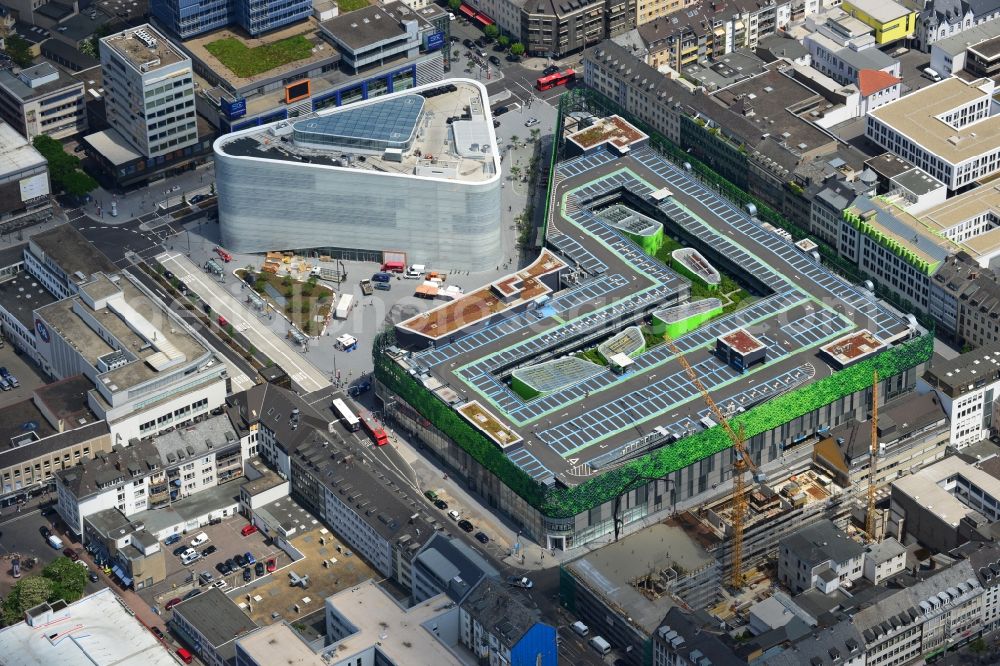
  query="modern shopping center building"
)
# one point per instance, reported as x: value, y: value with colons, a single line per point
x: 416, y: 172
x: 574, y: 451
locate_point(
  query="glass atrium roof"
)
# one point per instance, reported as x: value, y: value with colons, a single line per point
x: 390, y: 121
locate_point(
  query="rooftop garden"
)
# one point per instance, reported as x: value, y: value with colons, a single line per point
x: 246, y: 62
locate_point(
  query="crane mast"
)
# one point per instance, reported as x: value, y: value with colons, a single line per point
x: 741, y: 464
x: 872, y: 463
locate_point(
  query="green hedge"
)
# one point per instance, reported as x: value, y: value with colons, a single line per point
x: 568, y: 502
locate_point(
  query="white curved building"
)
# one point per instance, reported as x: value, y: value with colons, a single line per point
x: 417, y: 172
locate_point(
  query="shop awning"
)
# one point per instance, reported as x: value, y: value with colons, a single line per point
x: 126, y: 581
x: 117, y: 570
x: 484, y: 19
x: 467, y: 10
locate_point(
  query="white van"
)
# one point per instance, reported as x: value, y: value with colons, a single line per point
x: 580, y: 628
x: 198, y: 540
x: 415, y: 271
x: 454, y: 515
x: 601, y: 645
x: 931, y: 74
x: 55, y: 542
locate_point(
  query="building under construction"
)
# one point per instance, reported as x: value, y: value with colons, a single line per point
x: 774, y: 510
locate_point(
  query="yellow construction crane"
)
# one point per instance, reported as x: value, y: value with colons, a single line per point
x: 872, y: 463
x: 741, y: 464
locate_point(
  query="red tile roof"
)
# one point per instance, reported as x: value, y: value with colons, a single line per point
x: 873, y: 80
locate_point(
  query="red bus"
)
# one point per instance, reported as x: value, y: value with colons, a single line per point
x: 553, y: 80
x: 373, y: 428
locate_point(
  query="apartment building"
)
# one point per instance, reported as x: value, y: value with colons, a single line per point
x: 43, y: 100
x: 448, y: 566
x: 953, y: 54
x: 150, y: 474
x: 819, y: 556
x: 922, y: 619
x: 306, y: 444
x: 943, y: 19
x: 843, y: 48
x: 948, y: 129
x: 500, y: 628
x: 968, y: 387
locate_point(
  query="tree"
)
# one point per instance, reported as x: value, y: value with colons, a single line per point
x: 64, y: 169
x: 454, y: 4
x: 535, y: 133
x: 514, y: 139
x: 491, y: 31
x: 503, y: 40
x: 517, y: 49
x: 78, y: 183
x: 211, y: 189
x: 68, y: 579
x: 27, y: 593
x: 19, y: 50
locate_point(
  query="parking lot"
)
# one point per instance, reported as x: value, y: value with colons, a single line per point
x: 227, y: 542
x: 21, y: 534
x: 28, y: 376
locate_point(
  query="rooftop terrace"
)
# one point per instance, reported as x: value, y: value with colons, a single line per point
x: 144, y: 48
x: 442, y: 131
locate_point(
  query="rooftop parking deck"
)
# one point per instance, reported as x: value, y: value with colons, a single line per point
x: 604, y: 419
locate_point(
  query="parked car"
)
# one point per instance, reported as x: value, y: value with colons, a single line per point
x: 231, y: 563
x: 173, y: 602
x: 185, y: 655
x: 92, y: 576
x: 431, y: 495
x: 46, y: 532
x: 190, y: 556
x: 248, y: 530
x: 520, y: 581
x: 467, y: 43
x: 441, y: 504
x: 206, y: 577
x: 222, y: 568
x: 466, y: 525
x: 272, y: 564
x: 482, y: 538
x: 495, y: 61
x: 172, y: 539
x: 208, y: 551
x: 551, y: 69
x: 199, y: 540
x: 240, y: 560
x: 71, y: 554
x: 247, y: 575
x: 157, y: 632
x: 500, y: 110
x: 179, y: 550
x: 248, y: 556
x: 259, y: 569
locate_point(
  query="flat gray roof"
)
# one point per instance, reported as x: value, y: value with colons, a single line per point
x: 610, y: 571
x: 217, y: 618
x: 16, y: 154
x: 71, y: 251
x: 22, y: 295
x: 144, y: 55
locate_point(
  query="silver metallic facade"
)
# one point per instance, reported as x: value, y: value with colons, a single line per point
x: 271, y: 204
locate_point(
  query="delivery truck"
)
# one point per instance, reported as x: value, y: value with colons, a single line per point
x: 344, y: 306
